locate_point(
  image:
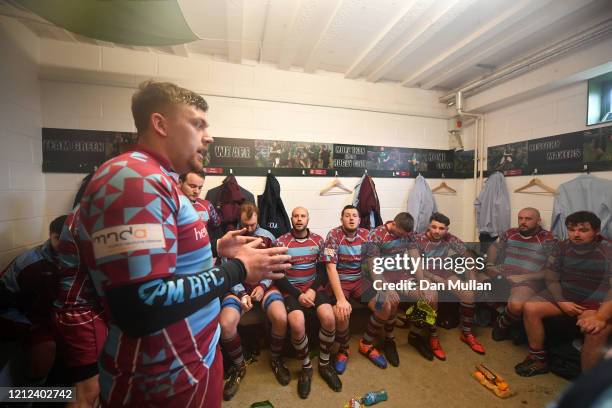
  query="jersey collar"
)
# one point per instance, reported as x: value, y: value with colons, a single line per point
x: 163, y: 161
x: 306, y: 237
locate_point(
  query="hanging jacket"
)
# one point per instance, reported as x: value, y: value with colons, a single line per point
x: 357, y: 189
x: 272, y: 214
x: 584, y: 193
x: 493, y: 206
x: 221, y: 197
x: 229, y: 201
x: 218, y: 196
x: 421, y: 204
x: 368, y: 205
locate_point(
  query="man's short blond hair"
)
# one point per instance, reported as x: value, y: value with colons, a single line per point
x: 248, y: 209
x: 155, y: 96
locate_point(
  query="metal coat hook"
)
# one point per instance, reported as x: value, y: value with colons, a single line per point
x: 269, y: 171
x: 535, y: 171
x: 336, y: 173
x: 303, y: 172
x: 231, y: 171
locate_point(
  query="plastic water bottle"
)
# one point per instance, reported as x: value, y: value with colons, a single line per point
x: 374, y: 397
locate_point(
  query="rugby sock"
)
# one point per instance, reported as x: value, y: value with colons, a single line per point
x: 433, y: 331
x: 507, y: 318
x: 301, y: 346
x: 374, y: 327
x: 276, y: 345
x: 539, y: 355
x: 467, y: 316
x: 233, y: 347
x: 342, y: 337
x: 389, y: 326
x: 326, y: 341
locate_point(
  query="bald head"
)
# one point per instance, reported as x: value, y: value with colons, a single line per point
x: 532, y: 210
x: 528, y: 221
x: 300, y: 209
x: 299, y: 220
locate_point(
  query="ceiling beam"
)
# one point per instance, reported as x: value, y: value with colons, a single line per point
x: 235, y: 28
x: 555, y: 11
x: 388, y: 36
x: 302, y: 21
x: 477, y: 38
x: 334, y: 16
x: 441, y: 17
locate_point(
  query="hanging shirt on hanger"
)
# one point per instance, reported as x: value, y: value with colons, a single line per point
x: 368, y: 204
x: 493, y: 206
x: 272, y: 214
x: 421, y: 204
x: 584, y: 193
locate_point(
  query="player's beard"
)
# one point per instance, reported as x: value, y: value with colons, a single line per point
x: 434, y: 237
x: 299, y: 228
x: 528, y: 232
x: 195, y: 164
x: 300, y: 231
x: 349, y: 229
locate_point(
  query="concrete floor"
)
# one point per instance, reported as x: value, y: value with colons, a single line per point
x: 415, y: 383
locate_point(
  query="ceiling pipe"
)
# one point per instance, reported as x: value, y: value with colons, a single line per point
x: 478, y: 146
x: 582, y: 39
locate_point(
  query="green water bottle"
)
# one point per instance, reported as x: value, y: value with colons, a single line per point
x: 374, y: 397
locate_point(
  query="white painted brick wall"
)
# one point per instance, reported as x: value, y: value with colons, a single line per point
x: 108, y: 108
x: 22, y: 184
x: 558, y: 112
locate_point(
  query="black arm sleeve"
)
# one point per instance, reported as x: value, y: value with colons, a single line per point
x: 321, y: 278
x: 146, y: 307
x: 286, y: 287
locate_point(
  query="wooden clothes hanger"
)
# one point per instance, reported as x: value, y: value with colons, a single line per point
x: 336, y: 183
x: 536, y: 182
x: 444, y: 186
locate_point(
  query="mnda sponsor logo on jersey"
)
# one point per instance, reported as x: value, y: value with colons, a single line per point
x: 124, y: 238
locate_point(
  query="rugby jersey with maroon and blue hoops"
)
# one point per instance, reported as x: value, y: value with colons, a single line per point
x: 305, y: 253
x: 345, y: 252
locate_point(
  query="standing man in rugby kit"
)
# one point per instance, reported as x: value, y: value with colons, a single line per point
x: 148, y: 254
x: 300, y: 287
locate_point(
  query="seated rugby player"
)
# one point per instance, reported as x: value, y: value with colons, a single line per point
x: 438, y: 243
x: 342, y: 256
x: 240, y: 299
x: 302, y: 288
x: 578, y: 284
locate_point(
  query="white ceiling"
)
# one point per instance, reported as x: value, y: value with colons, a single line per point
x: 429, y: 44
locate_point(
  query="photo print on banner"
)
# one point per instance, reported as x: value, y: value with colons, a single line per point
x: 510, y: 159
x: 81, y: 151
x: 292, y: 155
x: 597, y: 147
x: 566, y: 153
